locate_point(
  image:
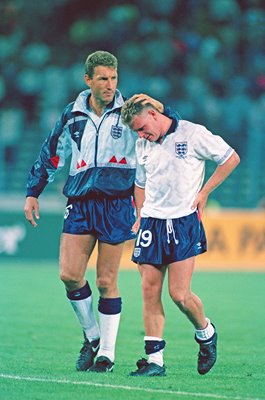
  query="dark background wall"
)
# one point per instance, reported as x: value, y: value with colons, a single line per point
x: 205, y: 58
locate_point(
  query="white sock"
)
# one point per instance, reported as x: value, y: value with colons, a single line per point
x: 85, y: 314
x: 109, y: 324
x: 156, y: 357
x: 207, y: 333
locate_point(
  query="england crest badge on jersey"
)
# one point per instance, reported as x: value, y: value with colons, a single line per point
x: 116, y: 131
x: 181, y: 149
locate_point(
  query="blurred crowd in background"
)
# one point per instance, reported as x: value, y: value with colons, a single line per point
x: 205, y: 58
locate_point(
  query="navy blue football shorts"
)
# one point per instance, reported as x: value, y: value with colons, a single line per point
x: 110, y: 220
x: 165, y: 241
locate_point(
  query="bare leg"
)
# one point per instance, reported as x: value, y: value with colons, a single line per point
x: 75, y: 251
x: 109, y: 256
x: 153, y: 312
x: 179, y: 281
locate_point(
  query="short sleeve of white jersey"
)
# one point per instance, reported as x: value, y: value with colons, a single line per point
x: 140, y: 178
x: 212, y: 147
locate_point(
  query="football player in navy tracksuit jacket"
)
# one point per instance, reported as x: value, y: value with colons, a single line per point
x: 99, y: 209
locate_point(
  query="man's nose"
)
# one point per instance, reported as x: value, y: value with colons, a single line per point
x: 110, y: 84
x: 140, y: 134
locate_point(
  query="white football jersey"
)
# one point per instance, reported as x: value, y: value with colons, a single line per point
x: 172, y: 172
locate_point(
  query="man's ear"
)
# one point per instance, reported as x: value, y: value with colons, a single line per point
x: 153, y: 113
x: 87, y: 80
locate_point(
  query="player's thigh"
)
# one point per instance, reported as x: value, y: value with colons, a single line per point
x: 75, y: 251
x: 108, y: 262
x: 179, y: 277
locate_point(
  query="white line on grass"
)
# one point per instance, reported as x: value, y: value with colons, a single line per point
x: 135, y: 388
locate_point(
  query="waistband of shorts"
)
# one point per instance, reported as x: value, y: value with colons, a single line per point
x: 100, y: 196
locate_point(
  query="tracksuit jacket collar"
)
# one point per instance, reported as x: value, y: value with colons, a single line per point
x: 80, y: 104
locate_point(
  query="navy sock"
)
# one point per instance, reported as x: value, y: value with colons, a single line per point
x: 152, y: 346
x: 80, y: 294
x: 109, y: 306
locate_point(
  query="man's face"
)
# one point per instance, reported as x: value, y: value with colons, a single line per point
x: 146, y: 125
x: 103, y: 84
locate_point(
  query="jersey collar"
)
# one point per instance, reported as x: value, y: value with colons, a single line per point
x: 171, y: 129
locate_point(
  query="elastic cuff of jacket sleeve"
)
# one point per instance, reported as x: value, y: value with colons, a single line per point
x: 32, y: 194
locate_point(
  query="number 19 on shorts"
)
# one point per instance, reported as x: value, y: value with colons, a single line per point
x: 144, y: 238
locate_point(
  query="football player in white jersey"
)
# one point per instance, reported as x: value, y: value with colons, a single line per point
x: 170, y: 196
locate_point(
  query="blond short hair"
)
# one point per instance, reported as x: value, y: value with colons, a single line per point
x: 99, y: 58
x: 130, y: 109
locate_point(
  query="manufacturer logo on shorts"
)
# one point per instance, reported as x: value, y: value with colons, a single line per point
x: 67, y: 211
x: 137, y: 252
x: 116, y: 131
x: 198, y: 248
x: 181, y: 149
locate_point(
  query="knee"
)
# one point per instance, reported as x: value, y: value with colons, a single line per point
x: 106, y: 285
x: 179, y: 299
x: 70, y: 279
x: 151, y: 290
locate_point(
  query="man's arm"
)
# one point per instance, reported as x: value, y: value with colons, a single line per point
x: 50, y: 159
x: 53, y: 154
x: 219, y: 175
x: 139, y: 197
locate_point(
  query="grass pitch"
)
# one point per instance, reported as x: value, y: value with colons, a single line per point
x: 40, y: 339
